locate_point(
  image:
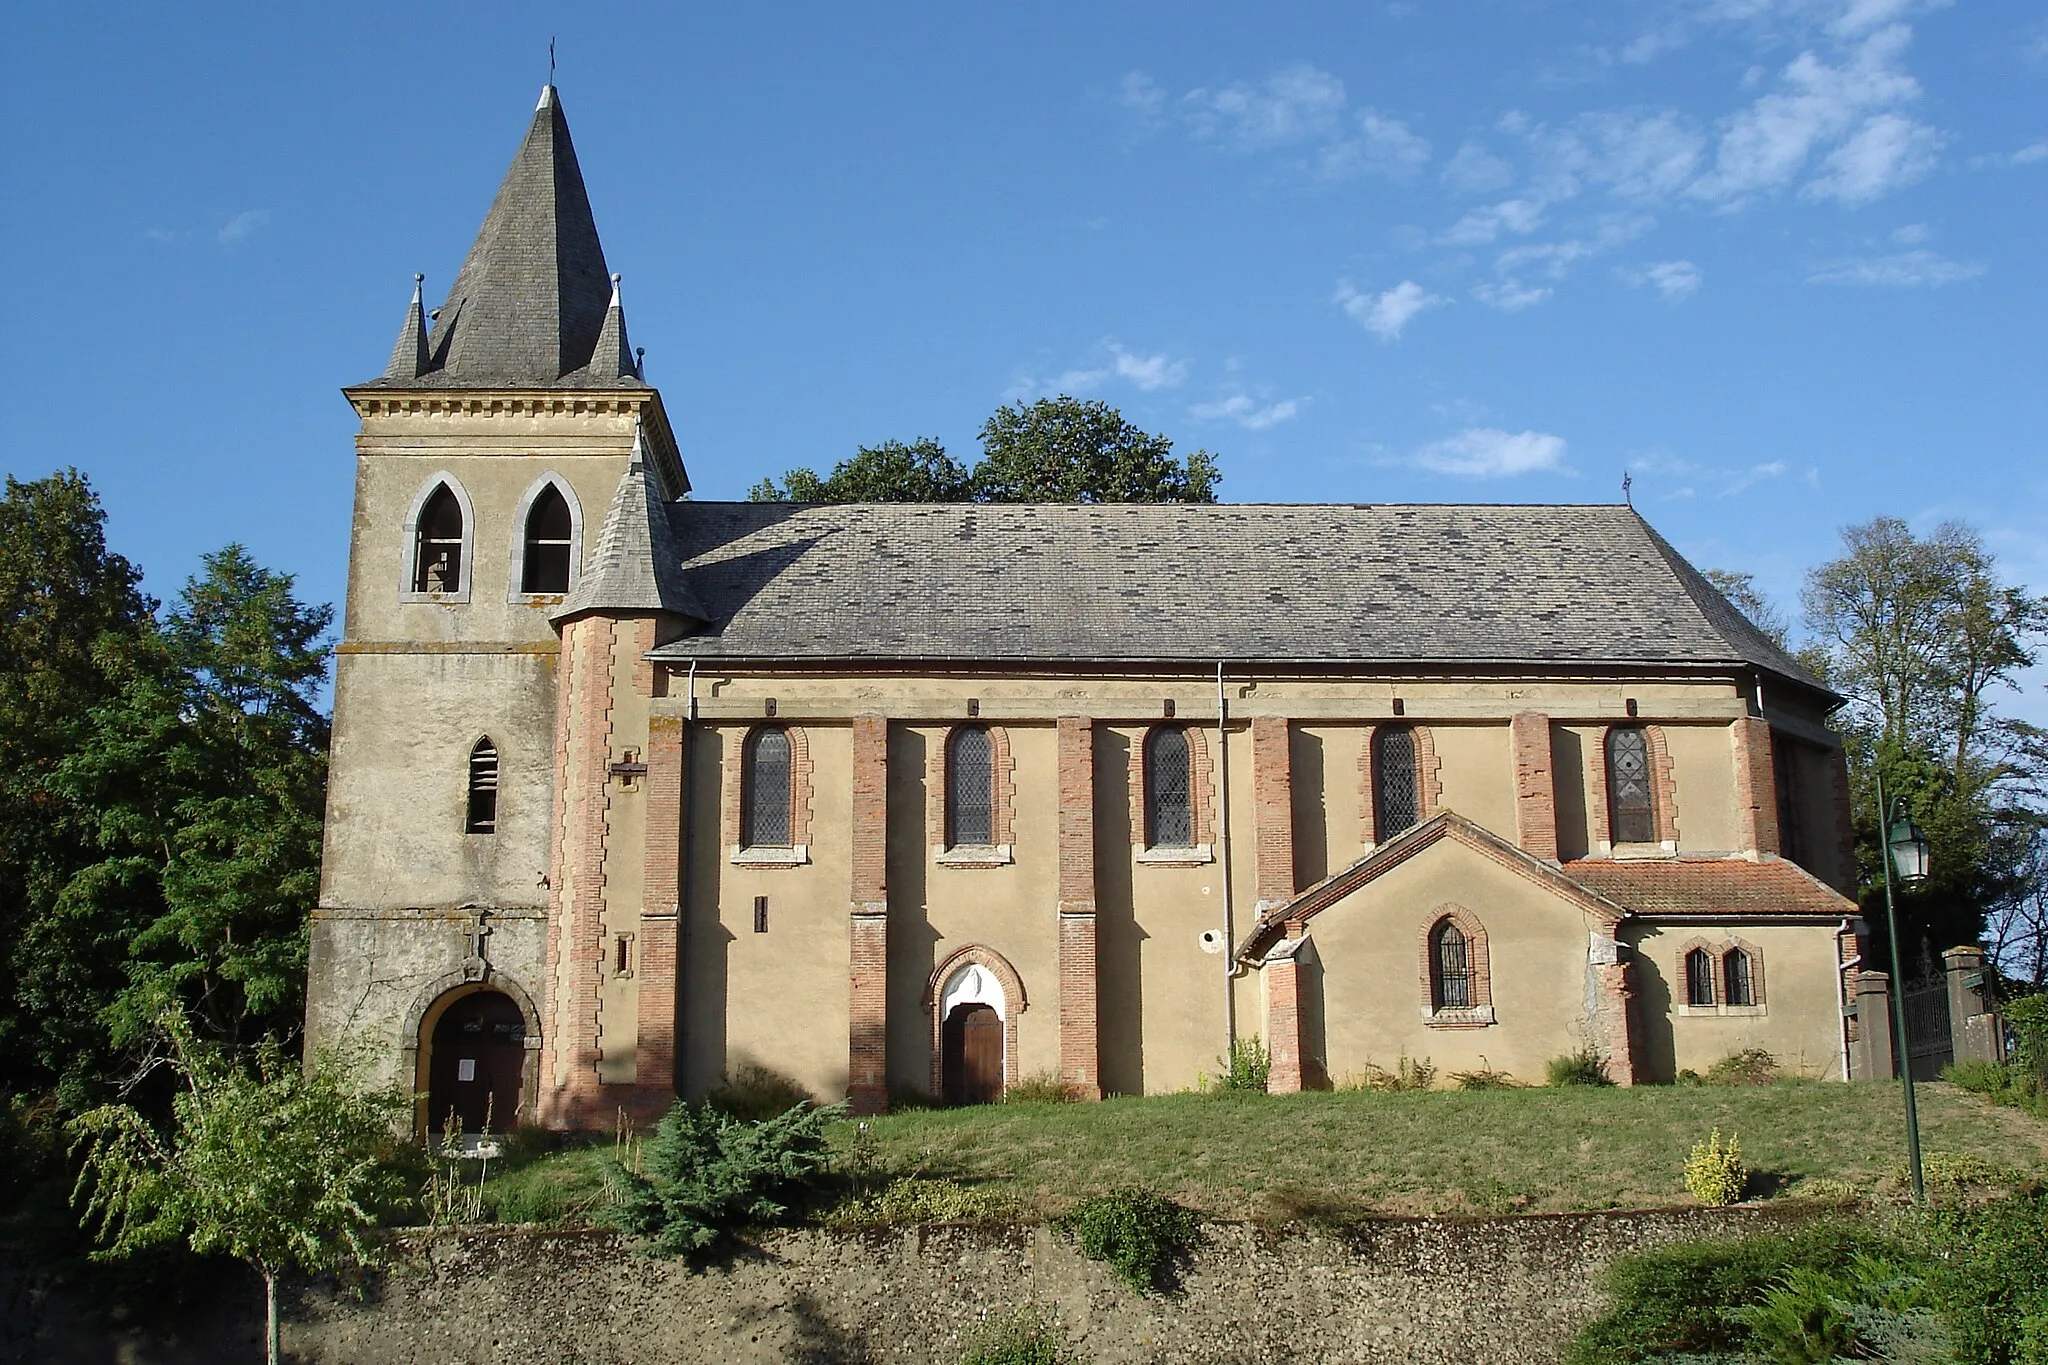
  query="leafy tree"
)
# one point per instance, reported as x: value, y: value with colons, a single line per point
x: 1741, y: 590
x: 1053, y: 450
x: 921, y: 471
x: 281, y: 1167
x: 1079, y: 450
x: 68, y: 610
x: 1918, y: 634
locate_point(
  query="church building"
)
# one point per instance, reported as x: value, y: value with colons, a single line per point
x: 630, y: 791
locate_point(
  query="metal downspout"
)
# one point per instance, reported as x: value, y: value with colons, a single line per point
x: 1223, y: 862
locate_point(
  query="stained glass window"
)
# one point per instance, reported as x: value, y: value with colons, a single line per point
x: 1631, y: 806
x: 1169, y: 789
x: 764, y: 817
x: 1395, y: 803
x: 970, y: 787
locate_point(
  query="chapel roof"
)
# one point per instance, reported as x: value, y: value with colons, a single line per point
x: 1710, y: 887
x: 533, y: 305
x: 1460, y: 584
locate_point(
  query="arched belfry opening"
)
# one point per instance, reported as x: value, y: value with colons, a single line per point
x: 474, y: 1039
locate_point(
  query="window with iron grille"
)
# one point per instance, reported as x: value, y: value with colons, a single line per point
x: 764, y: 789
x: 1631, y: 804
x: 482, y: 817
x: 1699, y: 979
x: 1738, y: 980
x: 1169, y: 789
x: 437, y: 547
x: 1450, y: 961
x: 1396, y: 802
x: 549, y: 534
x: 970, y: 788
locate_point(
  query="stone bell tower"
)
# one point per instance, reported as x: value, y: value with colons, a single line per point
x: 503, y: 427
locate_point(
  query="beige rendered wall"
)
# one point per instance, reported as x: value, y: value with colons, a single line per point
x: 1371, y: 987
x: 1478, y: 774
x: 1799, y: 1022
x: 1703, y: 771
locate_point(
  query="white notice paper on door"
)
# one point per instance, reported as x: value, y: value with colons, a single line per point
x: 465, y: 1070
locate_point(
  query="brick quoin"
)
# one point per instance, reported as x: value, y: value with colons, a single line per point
x: 655, y: 1064
x: 569, y: 1084
x: 1535, y: 789
x: 1080, y: 1032
x: 868, y: 942
x: 1286, y: 1047
x: 1756, y: 787
x: 1273, y: 809
x: 1616, y: 994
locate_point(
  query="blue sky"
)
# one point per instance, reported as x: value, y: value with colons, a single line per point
x: 1781, y: 260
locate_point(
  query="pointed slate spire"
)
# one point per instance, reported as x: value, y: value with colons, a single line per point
x: 530, y: 300
x: 613, y: 358
x: 637, y: 567
x: 409, y: 355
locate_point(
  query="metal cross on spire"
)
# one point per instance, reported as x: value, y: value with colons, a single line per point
x: 551, y: 59
x: 1626, y: 480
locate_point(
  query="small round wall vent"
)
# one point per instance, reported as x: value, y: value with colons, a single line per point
x: 1212, y: 941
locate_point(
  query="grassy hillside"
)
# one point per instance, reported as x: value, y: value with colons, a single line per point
x: 1356, y: 1153
x: 1549, y: 1149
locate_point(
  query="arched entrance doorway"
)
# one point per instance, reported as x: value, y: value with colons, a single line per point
x: 972, y: 1064
x: 475, y: 1064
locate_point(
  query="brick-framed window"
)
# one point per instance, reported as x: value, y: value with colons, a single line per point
x: 1631, y: 794
x: 1720, y: 977
x: 768, y: 797
x: 1201, y: 771
x: 1662, y: 789
x: 1456, y: 970
x: 1169, y: 788
x: 971, y: 785
x: 1399, y: 760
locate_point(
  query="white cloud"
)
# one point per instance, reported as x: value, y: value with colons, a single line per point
x: 2032, y: 152
x: 1899, y: 270
x: 1148, y: 372
x: 1510, y: 290
x: 1140, y: 94
x: 1475, y: 170
x: 165, y: 236
x: 1294, y: 105
x: 1674, y: 280
x: 1632, y: 154
x: 1483, y: 225
x: 1489, y: 453
x: 1889, y: 151
x: 1384, y: 315
x: 1247, y: 413
x: 1510, y: 296
x: 1382, y: 146
x: 243, y: 226
x: 1768, y: 143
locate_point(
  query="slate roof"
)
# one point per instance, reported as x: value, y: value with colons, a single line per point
x: 1419, y: 584
x: 528, y: 306
x: 635, y: 566
x: 1718, y: 887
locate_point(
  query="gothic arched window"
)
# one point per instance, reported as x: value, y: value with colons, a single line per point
x: 1450, y: 968
x: 1169, y: 789
x: 1631, y: 801
x: 970, y: 787
x: 437, y: 544
x: 1699, y: 979
x: 550, y: 541
x: 1396, y: 799
x: 482, y: 817
x: 765, y: 789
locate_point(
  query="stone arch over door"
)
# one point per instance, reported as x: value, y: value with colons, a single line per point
x: 428, y: 1007
x: 974, y: 975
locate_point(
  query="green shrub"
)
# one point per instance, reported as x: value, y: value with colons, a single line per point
x: 1140, y: 1234
x: 1041, y: 1087
x: 758, y: 1092
x: 1485, y: 1077
x: 706, y: 1174
x: 1688, y: 1077
x: 1027, y: 1336
x: 1751, y: 1066
x: 1821, y: 1187
x: 1990, y: 1277
x: 1955, y: 1172
x: 1409, y: 1073
x: 918, y: 1199
x: 1249, y: 1067
x: 1715, y: 1174
x: 1587, y: 1066
x: 1815, y: 1316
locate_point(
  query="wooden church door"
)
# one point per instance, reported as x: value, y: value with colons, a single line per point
x: 972, y: 1057
x: 478, y: 1059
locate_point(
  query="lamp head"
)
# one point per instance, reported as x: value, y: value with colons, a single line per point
x: 1909, y: 851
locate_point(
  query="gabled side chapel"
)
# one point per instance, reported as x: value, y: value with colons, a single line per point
x: 630, y: 791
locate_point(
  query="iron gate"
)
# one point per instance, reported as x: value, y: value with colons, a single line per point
x: 1929, y: 1047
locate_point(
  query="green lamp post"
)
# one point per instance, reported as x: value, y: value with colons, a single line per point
x: 1905, y: 860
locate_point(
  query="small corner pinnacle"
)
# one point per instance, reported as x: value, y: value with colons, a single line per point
x: 417, y: 281
x: 638, y: 459
x: 615, y: 289
x: 547, y: 97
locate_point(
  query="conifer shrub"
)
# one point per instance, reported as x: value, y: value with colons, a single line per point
x: 705, y: 1175
x: 1715, y: 1174
x: 1143, y: 1236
